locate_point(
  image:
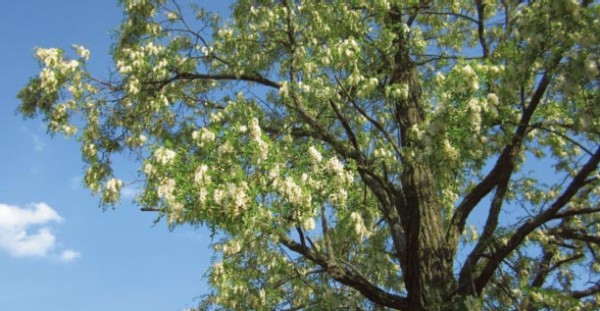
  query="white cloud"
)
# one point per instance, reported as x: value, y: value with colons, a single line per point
x: 26, y: 232
x: 69, y: 255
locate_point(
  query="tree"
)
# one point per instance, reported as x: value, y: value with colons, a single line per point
x: 410, y: 155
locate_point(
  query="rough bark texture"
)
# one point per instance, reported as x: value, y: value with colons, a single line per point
x: 428, y: 261
x: 429, y: 275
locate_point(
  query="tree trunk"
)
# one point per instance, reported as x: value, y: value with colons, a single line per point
x: 429, y: 276
x: 428, y: 258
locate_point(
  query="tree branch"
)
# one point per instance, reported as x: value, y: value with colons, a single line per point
x: 572, y: 234
x: 232, y: 77
x: 481, y: 27
x: 488, y: 230
x: 586, y: 292
x: 503, y: 166
x: 152, y: 209
x: 534, y: 223
x: 576, y: 212
x: 348, y: 277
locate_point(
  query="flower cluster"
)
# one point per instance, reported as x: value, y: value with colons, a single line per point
x: 293, y: 193
x: 315, y: 155
x: 82, y: 52
x: 164, y: 155
x: 56, y: 68
x: 256, y: 136
x: 233, y: 196
x: 203, y: 136
x: 339, y: 175
x: 112, y: 190
x: 359, y: 226
x: 166, y: 189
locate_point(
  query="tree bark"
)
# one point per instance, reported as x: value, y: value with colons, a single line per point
x: 429, y: 272
x: 429, y: 275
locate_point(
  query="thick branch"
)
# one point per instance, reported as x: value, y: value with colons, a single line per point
x: 348, y: 277
x: 572, y: 234
x: 503, y: 166
x: 517, y: 238
x: 224, y: 77
x: 576, y: 212
x: 488, y: 230
x: 481, y: 27
x: 586, y: 292
x: 543, y: 269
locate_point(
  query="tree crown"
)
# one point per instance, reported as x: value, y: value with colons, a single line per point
x: 342, y: 148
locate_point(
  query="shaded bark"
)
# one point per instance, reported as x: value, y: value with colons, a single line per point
x: 428, y: 258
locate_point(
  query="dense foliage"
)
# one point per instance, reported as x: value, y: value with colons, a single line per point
x: 360, y: 154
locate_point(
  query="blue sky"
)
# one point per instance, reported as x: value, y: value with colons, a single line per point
x: 58, y: 250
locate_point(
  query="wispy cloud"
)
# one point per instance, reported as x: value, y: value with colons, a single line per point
x: 130, y: 192
x: 26, y: 232
x: 38, y: 144
x: 69, y: 255
x: 76, y: 183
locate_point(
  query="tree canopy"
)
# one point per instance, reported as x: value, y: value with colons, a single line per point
x: 359, y: 154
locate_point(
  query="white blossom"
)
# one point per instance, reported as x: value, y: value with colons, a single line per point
x: 314, y: 154
x: 69, y: 66
x: 468, y: 70
x: 334, y: 166
x: 216, y: 117
x: 359, y: 225
x: 255, y: 132
x: 175, y: 213
x: 263, y: 148
x: 112, y: 190
x: 231, y: 248
x: 114, y: 184
x: 237, y: 195
x: 492, y: 98
x: 218, y: 196
x: 449, y: 151
x: 133, y: 85
x: 338, y: 197
x: 439, y: 77
x: 48, y: 80
x: 517, y: 292
x: 200, y: 176
x: 149, y: 169
x: 202, y: 195
x: 82, y: 52
x: 90, y: 150
x: 50, y: 57
x: 164, y: 155
x: 225, y: 149
x: 172, y: 16
x: 308, y: 224
x: 166, y: 188
x: 204, y: 136
x: 291, y: 191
